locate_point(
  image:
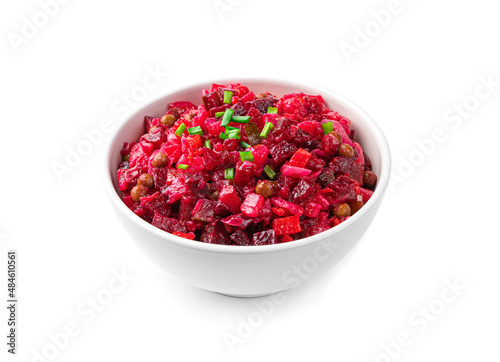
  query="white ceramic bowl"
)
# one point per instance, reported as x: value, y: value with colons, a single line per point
x: 248, y: 271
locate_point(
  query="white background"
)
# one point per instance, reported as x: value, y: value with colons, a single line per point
x: 438, y: 223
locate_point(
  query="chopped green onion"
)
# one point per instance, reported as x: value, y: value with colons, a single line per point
x: 223, y: 135
x: 327, y: 127
x: 180, y: 130
x: 269, y: 172
x: 233, y: 133
x: 246, y: 155
x: 208, y: 144
x: 245, y: 145
x: 272, y: 110
x: 228, y: 95
x: 266, y: 129
x: 229, y: 173
x: 182, y: 166
x: 219, y: 114
x: 231, y: 127
x: 195, y: 130
x: 240, y: 119
x: 227, y: 117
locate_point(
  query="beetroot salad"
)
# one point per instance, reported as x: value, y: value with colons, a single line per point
x: 246, y: 168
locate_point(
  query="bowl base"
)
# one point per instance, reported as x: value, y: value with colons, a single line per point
x: 245, y: 295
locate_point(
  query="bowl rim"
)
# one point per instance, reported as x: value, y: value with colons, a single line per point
x: 382, y: 182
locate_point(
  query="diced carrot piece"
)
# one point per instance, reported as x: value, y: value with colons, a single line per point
x: 287, y: 225
x: 300, y: 158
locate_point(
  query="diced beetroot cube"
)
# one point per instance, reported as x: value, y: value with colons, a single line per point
x: 303, y: 191
x: 345, y: 122
x: 286, y: 181
x: 278, y: 211
x: 212, y: 158
x: 315, y: 226
x: 266, y: 237
x: 260, y: 153
x: 256, y: 117
x: 304, y: 139
x: 174, y: 174
x: 240, y: 221
x: 347, y: 165
x: 367, y: 194
x: 320, y: 200
x: 313, y: 128
x: 368, y: 162
x: 213, y: 127
x: 172, y: 151
x: 138, y: 210
x: 204, y: 211
x: 192, y: 225
x: 240, y: 237
x: 266, y: 209
x: 291, y: 106
x: 312, y: 209
x: 315, y: 104
x: 241, y: 90
x: 127, y: 199
x: 284, y: 192
x: 359, y: 154
x: 182, y: 105
x: 287, y: 225
x: 221, y: 210
x: 184, y: 160
x: 231, y: 144
x: 193, y: 141
x: 187, y: 204
x: 215, y: 233
x: 327, y: 176
x: 155, y: 204
x: 139, y: 155
x: 252, y: 205
x: 194, y: 179
x: 175, y: 191
x: 211, y: 100
x: 329, y: 144
x: 250, y: 96
x: 229, y: 197
x: 126, y: 148
x: 127, y: 178
x: 293, y: 208
x: 282, y: 151
x: 339, y: 220
x: 316, y: 163
x: 239, y: 109
x: 172, y: 138
x: 340, y: 189
x: 244, y: 173
x: 189, y: 236
x: 159, y: 175
x: 197, y: 163
x: 150, y: 122
x: 355, y: 194
x: 156, y: 139
x: 168, y: 224
x: 261, y: 104
x: 285, y: 238
x: 300, y: 158
x: 215, y: 87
